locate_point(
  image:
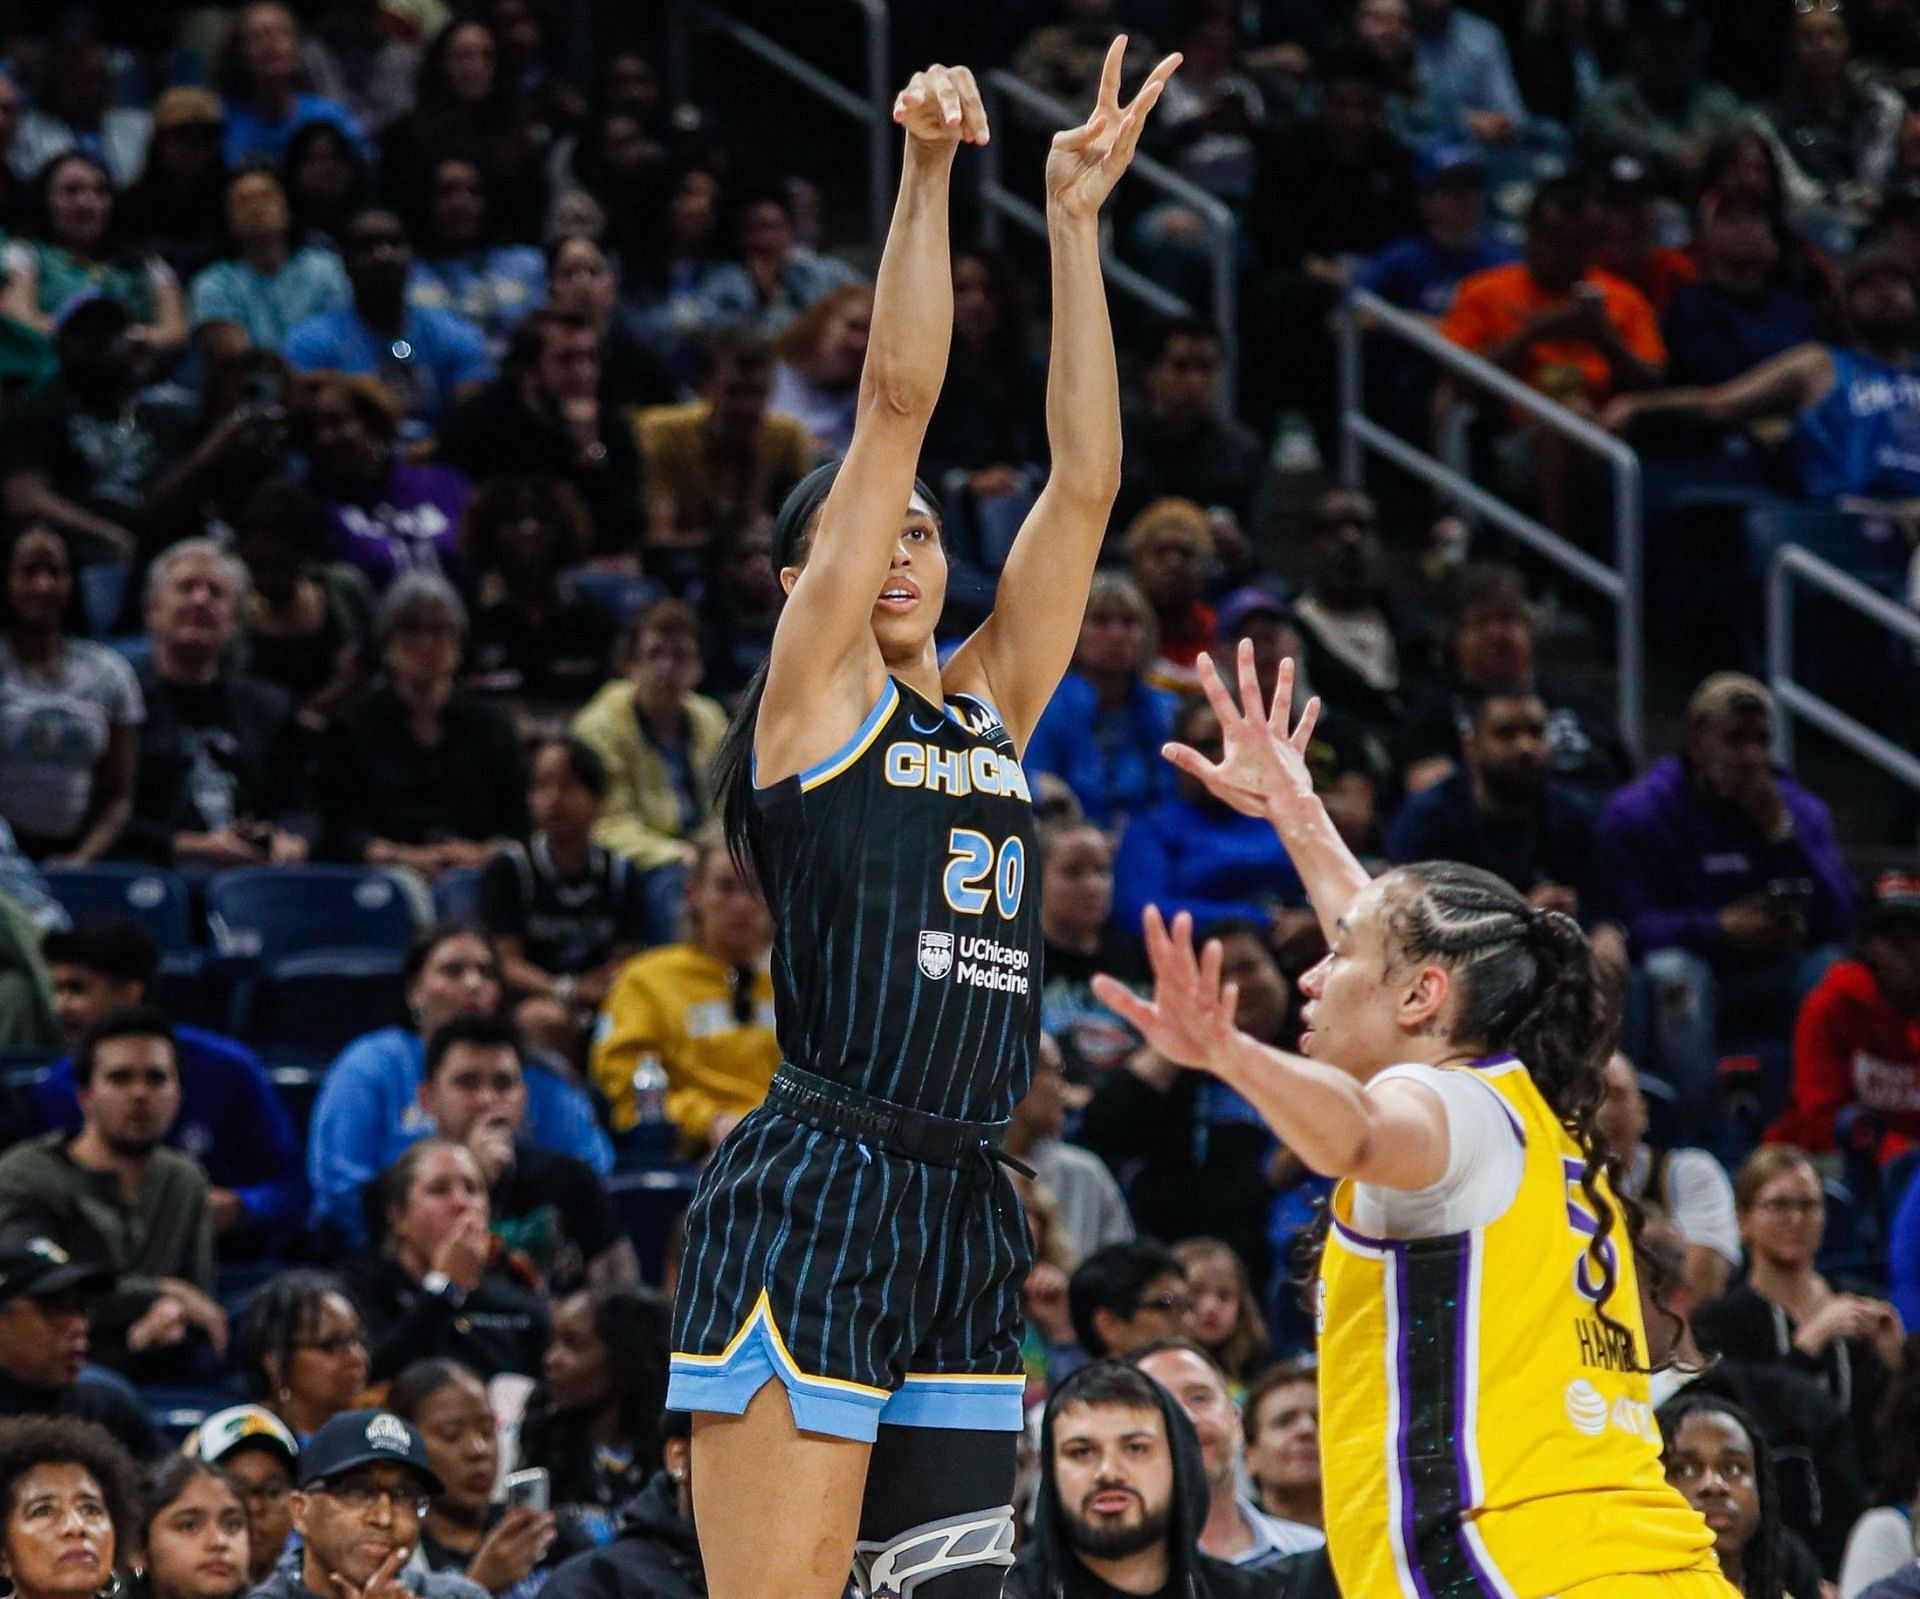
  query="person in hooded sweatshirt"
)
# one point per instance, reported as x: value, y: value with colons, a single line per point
x: 654, y: 1554
x: 1123, y: 1497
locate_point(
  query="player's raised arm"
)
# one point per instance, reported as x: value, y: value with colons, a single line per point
x: 1262, y: 771
x: 825, y: 662
x: 1023, y: 650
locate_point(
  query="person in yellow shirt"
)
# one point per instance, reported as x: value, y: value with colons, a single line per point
x: 1491, y: 1429
x: 703, y: 1008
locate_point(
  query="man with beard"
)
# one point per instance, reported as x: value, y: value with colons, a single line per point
x: 1855, y: 407
x: 114, y: 1197
x: 1123, y: 1498
x: 1502, y: 811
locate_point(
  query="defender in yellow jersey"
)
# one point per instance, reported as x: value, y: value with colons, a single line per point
x: 1485, y: 1424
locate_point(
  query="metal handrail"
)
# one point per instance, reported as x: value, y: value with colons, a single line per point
x: 873, y: 108
x: 1005, y: 90
x: 1620, y: 582
x: 1794, y: 560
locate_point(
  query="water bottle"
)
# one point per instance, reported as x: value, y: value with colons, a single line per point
x: 652, y: 1133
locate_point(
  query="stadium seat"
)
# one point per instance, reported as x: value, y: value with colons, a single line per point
x: 316, y: 952
x: 156, y: 899
x: 177, y: 1411
x: 619, y: 595
x: 456, y: 894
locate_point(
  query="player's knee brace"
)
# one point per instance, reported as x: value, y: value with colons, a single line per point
x: 959, y: 1557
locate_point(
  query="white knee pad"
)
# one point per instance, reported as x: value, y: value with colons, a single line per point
x: 893, y: 1569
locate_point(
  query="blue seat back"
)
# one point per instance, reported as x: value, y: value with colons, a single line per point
x: 273, y: 914
x: 155, y: 898
x: 456, y: 894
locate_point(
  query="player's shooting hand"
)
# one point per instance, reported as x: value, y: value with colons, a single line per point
x: 941, y: 107
x: 1086, y: 162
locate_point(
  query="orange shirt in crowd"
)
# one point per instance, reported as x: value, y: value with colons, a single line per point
x: 1492, y: 306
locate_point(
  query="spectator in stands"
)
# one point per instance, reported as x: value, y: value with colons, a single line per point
x: 1063, y: 58
x: 1730, y: 883
x: 776, y: 277
x: 565, y: 912
x: 1688, y: 1186
x: 545, y: 1206
x: 1849, y: 404
x: 1561, y: 51
x: 13, y: 178
x: 991, y: 419
x: 702, y: 1010
x: 537, y: 643
x: 250, y: 1446
x: 1787, y: 1313
x: 70, y: 710
x: 1235, y: 1530
x: 1628, y: 216
x: 1195, y: 853
x: 113, y: 1196
x: 1180, y: 445
x: 194, y: 1534
x: 1223, y: 1313
x: 73, y: 1508
x: 1492, y: 642
x: 1468, y: 80
x: 415, y: 771
x: 1856, y: 1044
x: 1082, y: 937
x: 653, y: 1552
x: 1834, y: 125
x: 1123, y: 1497
x: 1504, y: 812
x: 1204, y: 1165
x: 1089, y: 1205
x: 670, y: 284
x: 583, y: 282
x: 740, y: 605
x: 46, y: 1298
x: 821, y: 355
x: 365, y: 1485
x: 1363, y: 657
x: 260, y: 76
x: 369, y: 1111
x: 305, y: 621
x: 543, y: 417
x: 593, y: 1423
x: 720, y: 461
x: 1718, y: 1458
x: 87, y: 453
x: 73, y: 109
x: 356, y: 56
x: 178, y: 208
x: 269, y: 286
x: 496, y: 1546
x: 1169, y: 548
x: 436, y: 1281
x: 658, y: 740
x: 428, y: 357
x: 1664, y: 111
x: 231, y: 1119
x: 303, y: 1350
x: 460, y: 265
x: 386, y: 515
x: 1102, y: 731
x: 1281, y: 1420
x: 1126, y: 1295
x: 1554, y: 320
x: 1422, y: 271
x: 220, y: 761
x: 1881, y: 1542
x: 327, y: 182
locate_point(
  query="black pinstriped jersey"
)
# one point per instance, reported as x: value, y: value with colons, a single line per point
x: 906, y: 932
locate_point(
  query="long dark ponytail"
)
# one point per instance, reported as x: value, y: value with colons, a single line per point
x: 1526, y: 983
x: 1761, y: 1562
x: 733, y: 764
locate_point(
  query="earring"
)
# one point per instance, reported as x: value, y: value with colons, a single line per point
x: 9, y: 1591
x: 679, y: 1479
x: 284, y: 1394
x: 113, y: 1589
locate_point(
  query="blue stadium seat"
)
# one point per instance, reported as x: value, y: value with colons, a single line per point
x: 177, y: 1411
x: 317, y: 952
x: 155, y: 898
x: 648, y: 1201
x: 456, y: 894
x: 620, y: 596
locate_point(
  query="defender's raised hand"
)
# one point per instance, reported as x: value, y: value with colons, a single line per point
x: 1262, y: 770
x: 1086, y: 162
x: 1189, y: 1020
x: 942, y: 107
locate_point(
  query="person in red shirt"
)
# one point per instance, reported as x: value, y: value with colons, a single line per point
x: 1630, y: 247
x: 1857, y: 1042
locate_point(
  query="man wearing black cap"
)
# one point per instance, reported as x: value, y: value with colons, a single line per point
x: 44, y: 1301
x: 364, y: 1486
x: 1420, y: 272
x: 1853, y: 406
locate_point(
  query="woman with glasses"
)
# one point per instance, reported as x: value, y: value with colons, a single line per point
x: 303, y: 1350
x: 255, y: 1452
x: 69, y: 1509
x: 195, y: 1537
x: 1786, y: 1313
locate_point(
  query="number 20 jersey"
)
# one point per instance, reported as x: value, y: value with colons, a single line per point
x: 906, y: 951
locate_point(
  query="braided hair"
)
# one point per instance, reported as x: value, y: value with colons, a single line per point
x: 1525, y: 982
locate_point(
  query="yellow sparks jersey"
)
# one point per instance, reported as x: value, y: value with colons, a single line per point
x: 1482, y: 1430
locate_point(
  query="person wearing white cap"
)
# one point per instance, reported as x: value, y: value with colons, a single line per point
x: 253, y: 1447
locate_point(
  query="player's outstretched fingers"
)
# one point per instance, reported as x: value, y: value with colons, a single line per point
x: 1281, y: 711
x: 1216, y: 693
x: 1249, y: 683
x: 1108, y: 95
x: 1309, y: 719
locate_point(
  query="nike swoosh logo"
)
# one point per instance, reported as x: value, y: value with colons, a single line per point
x: 924, y: 732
